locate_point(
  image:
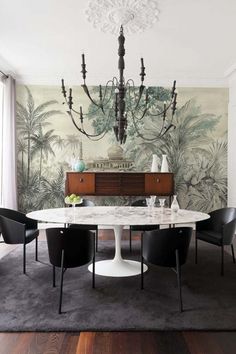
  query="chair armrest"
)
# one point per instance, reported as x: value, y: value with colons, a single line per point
x: 229, y: 231
x: 12, y: 231
x: 31, y: 224
x: 204, y: 225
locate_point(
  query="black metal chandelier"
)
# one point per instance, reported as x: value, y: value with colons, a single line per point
x: 124, y: 100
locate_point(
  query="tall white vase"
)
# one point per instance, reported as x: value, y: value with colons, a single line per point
x: 154, y: 167
x: 164, y: 164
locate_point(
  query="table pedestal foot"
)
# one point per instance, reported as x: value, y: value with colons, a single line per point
x: 121, y: 268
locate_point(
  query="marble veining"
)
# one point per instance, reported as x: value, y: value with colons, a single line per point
x: 116, y: 215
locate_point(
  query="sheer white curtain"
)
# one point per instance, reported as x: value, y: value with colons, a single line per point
x: 8, y: 179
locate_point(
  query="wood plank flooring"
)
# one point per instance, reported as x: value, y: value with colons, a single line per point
x: 159, y: 342
x: 119, y: 343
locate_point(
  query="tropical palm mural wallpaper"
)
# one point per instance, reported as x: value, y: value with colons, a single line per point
x: 48, y: 144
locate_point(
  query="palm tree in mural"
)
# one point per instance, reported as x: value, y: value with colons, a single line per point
x: 30, y: 119
x: 182, y: 147
x: 205, y: 180
x: 52, y: 191
x: 73, y: 141
x: 42, y: 145
x: 59, y: 142
x: 192, y: 130
x: 27, y: 191
x: 22, y: 150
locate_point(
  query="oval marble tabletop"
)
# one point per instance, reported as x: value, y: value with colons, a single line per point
x: 117, y: 217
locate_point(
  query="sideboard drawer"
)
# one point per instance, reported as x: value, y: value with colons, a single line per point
x: 132, y: 184
x: 107, y: 184
x: 159, y: 183
x: 81, y: 183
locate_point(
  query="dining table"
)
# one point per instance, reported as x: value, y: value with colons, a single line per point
x: 117, y: 217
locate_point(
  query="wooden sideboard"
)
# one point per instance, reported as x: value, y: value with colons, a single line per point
x: 119, y: 183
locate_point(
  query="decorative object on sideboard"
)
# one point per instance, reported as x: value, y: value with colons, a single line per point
x: 115, y: 152
x: 72, y: 162
x: 119, y: 100
x: 154, y: 166
x: 164, y: 164
x: 79, y: 166
x: 174, y: 205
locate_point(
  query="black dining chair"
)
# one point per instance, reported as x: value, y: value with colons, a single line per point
x: 140, y: 228
x: 166, y: 248
x: 70, y: 248
x: 16, y: 228
x: 219, y: 230
x: 87, y: 203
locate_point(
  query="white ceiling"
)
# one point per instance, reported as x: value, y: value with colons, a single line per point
x: 193, y: 42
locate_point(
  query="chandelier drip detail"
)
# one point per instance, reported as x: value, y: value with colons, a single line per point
x: 120, y: 99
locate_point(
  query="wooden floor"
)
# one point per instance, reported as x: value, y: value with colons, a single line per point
x: 119, y: 343
x: 159, y: 342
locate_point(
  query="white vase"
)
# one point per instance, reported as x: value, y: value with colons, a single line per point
x: 174, y: 205
x: 154, y: 167
x: 164, y: 164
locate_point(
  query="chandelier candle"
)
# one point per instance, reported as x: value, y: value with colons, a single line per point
x: 120, y: 100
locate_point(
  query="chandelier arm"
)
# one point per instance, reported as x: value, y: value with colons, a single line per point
x: 83, y: 130
x: 129, y: 88
x: 128, y: 82
x: 161, y: 112
x: 141, y: 89
x: 104, y: 130
x: 142, y: 116
x: 103, y: 103
x: 86, y: 90
x: 168, y: 128
x: 95, y: 137
x: 141, y: 135
x: 73, y: 121
x: 160, y: 133
x: 112, y: 88
x: 87, y: 114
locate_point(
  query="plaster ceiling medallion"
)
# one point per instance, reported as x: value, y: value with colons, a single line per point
x: 135, y: 15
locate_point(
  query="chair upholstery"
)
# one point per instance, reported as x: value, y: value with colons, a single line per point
x: 16, y: 228
x: 87, y: 203
x: 141, y: 228
x: 166, y: 248
x: 70, y: 248
x: 219, y: 230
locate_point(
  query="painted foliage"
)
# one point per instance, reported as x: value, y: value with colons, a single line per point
x: 196, y: 150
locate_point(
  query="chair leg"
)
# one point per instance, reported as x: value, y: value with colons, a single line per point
x: 96, y: 240
x: 24, y: 258
x: 61, y: 281
x: 93, y: 274
x: 232, y: 249
x: 222, y: 260
x: 54, y: 276
x: 130, y: 240
x: 142, y: 281
x: 178, y: 271
x: 196, y: 249
x: 36, y: 249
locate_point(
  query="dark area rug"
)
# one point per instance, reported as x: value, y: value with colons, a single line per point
x: 30, y: 303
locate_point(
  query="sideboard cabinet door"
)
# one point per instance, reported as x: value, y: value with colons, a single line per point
x: 159, y: 183
x: 80, y: 183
